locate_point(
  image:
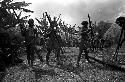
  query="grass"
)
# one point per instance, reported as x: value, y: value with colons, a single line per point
x: 65, y: 72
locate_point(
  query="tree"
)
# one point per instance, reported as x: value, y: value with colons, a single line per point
x: 8, y: 16
x: 43, y: 25
x: 113, y: 33
x: 102, y: 27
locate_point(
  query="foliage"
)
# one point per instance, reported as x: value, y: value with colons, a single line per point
x: 68, y: 33
x: 113, y: 32
x: 8, y: 16
x: 102, y: 27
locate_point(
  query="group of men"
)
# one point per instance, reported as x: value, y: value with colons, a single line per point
x: 85, y: 38
x: 31, y: 37
x: 54, y: 43
x: 31, y: 40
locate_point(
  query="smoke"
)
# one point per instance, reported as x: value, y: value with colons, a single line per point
x: 99, y: 11
x: 71, y: 13
x: 109, y: 10
x: 77, y: 11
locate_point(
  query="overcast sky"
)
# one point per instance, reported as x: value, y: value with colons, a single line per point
x: 75, y: 11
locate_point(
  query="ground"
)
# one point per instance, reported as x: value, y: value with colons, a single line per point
x: 66, y: 72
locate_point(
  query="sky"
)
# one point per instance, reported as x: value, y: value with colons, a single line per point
x: 75, y: 11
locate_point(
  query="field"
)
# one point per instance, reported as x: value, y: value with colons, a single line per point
x: 67, y: 71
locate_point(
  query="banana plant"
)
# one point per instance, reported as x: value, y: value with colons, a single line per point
x: 8, y: 17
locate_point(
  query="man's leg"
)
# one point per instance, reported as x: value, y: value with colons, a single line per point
x: 47, y: 56
x: 79, y: 56
x: 37, y: 51
x: 86, y: 54
x: 122, y: 41
x: 40, y: 57
x: 28, y: 55
x: 32, y: 56
x: 57, y: 54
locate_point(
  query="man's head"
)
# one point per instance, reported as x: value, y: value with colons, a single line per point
x: 120, y: 21
x: 85, y: 23
x: 31, y: 22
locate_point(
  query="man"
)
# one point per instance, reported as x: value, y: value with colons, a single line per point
x: 84, y: 42
x: 121, y: 22
x: 30, y: 35
x: 32, y: 42
x: 53, y: 42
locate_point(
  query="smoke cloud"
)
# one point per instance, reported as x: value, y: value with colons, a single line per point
x: 77, y: 11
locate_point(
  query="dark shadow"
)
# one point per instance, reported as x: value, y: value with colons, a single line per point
x: 95, y: 64
x: 39, y: 72
x: 2, y: 75
x: 110, y: 66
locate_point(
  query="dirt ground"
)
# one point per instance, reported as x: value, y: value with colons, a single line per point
x: 67, y: 71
